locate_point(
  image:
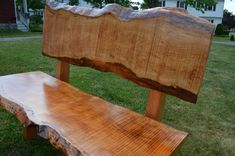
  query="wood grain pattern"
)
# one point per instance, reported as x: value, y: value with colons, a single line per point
x: 155, y: 105
x: 165, y: 49
x: 81, y: 124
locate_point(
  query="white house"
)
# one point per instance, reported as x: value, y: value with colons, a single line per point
x: 214, y: 13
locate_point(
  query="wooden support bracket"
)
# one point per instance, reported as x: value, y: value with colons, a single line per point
x: 62, y: 70
x: 155, y: 105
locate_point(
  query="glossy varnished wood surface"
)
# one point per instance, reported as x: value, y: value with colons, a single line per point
x: 165, y: 49
x: 81, y: 124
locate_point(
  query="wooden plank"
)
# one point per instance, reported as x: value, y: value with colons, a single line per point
x: 82, y: 124
x: 155, y: 105
x: 164, y: 49
x: 62, y: 71
x: 30, y: 132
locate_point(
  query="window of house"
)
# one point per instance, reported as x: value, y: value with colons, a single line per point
x: 181, y: 4
x: 161, y: 3
x: 210, y: 7
x: 214, y: 7
x: 211, y: 20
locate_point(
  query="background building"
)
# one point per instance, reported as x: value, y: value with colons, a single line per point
x: 214, y: 13
x: 7, y: 13
x: 15, y: 17
x: 12, y: 17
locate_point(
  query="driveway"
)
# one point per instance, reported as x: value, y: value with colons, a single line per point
x: 19, y: 38
x: 230, y: 43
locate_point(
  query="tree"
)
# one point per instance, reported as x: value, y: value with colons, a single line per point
x: 33, y: 4
x: 219, y: 29
x: 149, y: 4
x: 102, y: 3
x: 73, y: 2
x: 36, y: 4
x: 228, y: 19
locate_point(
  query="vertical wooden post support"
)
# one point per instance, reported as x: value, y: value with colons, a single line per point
x: 155, y: 105
x: 30, y: 132
x: 62, y: 71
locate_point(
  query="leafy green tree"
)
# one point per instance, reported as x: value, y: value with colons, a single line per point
x: 228, y: 19
x: 73, y: 2
x: 149, y: 4
x: 201, y: 4
x: 102, y: 3
x: 33, y: 4
x: 36, y: 4
x: 219, y: 29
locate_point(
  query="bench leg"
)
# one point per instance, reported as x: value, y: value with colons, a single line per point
x: 155, y: 105
x: 62, y: 71
x: 30, y: 132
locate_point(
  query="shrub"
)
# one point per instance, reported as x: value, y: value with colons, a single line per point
x: 219, y: 29
x: 35, y: 24
x: 35, y: 27
x: 226, y: 33
x: 232, y: 38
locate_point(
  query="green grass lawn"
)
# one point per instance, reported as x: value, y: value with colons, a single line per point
x: 221, y: 38
x: 210, y: 123
x: 17, y: 33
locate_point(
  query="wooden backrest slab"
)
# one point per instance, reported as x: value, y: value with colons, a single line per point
x: 162, y: 48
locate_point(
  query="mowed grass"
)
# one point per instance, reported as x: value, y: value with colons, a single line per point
x: 222, y: 38
x: 210, y: 123
x: 17, y: 33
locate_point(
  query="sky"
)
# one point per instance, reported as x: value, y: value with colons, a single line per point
x: 229, y: 5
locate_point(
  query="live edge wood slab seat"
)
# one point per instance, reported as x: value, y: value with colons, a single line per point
x: 79, y: 123
x: 163, y: 49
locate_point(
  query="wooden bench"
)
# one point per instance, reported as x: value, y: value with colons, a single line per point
x: 162, y: 49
